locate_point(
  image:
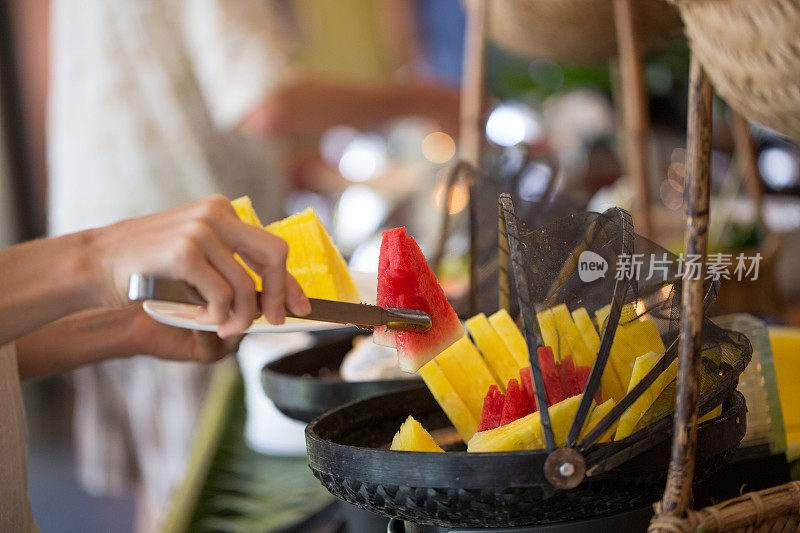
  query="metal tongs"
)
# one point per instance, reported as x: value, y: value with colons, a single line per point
x: 142, y: 287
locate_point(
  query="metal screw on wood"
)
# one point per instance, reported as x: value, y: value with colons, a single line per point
x: 567, y: 469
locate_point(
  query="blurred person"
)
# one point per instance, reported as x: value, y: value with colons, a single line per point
x: 144, y: 106
x: 54, y: 319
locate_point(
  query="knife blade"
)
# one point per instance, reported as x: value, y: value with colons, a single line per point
x: 143, y: 287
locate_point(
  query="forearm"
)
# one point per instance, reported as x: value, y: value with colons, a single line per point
x: 44, y: 280
x: 364, y: 106
x: 312, y: 106
x: 80, y: 339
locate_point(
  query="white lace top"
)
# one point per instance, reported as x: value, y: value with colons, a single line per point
x: 144, y: 99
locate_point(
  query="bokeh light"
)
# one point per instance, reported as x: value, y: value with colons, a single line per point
x: 365, y: 257
x: 359, y: 214
x: 533, y: 183
x: 511, y: 124
x: 458, y: 200
x: 438, y: 147
x: 779, y: 167
x: 334, y: 141
x: 363, y: 158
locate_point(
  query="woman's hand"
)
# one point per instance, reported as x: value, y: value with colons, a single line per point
x: 195, y: 243
x: 47, y: 279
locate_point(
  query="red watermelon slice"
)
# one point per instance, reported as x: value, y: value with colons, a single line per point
x: 406, y: 280
x: 526, y: 378
x: 569, y: 379
x: 550, y: 376
x: 492, y: 409
x: 516, y: 405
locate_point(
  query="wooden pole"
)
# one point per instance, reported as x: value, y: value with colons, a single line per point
x: 473, y: 86
x: 681, y: 468
x: 504, y: 292
x: 746, y: 157
x: 471, y: 126
x: 635, y: 121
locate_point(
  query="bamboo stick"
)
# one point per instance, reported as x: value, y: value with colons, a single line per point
x: 504, y: 295
x: 635, y: 120
x: 473, y: 90
x: 681, y: 469
x: 746, y: 157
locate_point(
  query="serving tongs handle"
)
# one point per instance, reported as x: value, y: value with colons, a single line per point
x: 142, y: 287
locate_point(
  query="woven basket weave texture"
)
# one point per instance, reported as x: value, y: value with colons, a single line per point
x: 751, y: 51
x: 575, y: 31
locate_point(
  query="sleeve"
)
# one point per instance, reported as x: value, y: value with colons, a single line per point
x: 240, y: 51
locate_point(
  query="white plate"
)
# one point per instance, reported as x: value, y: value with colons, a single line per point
x: 183, y: 315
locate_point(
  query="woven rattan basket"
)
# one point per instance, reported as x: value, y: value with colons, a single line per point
x: 580, y: 31
x: 751, y: 51
x: 773, y: 510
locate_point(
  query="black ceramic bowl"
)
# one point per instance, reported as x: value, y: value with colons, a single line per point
x: 348, y: 452
x: 305, y: 384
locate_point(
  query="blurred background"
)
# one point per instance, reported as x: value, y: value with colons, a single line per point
x: 348, y: 107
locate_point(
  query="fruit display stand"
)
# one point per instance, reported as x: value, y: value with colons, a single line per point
x: 537, y: 488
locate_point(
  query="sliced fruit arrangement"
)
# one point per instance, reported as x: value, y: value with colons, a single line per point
x: 483, y: 380
x: 496, y: 408
x: 313, y: 259
x: 466, y: 370
x: 406, y: 280
x: 492, y: 412
x: 516, y: 404
x: 412, y: 437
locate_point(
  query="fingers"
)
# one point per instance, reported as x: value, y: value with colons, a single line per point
x: 244, y: 308
x: 222, y: 233
x: 192, y: 266
x: 267, y: 254
x: 296, y: 300
x: 273, y: 275
x: 210, y: 348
